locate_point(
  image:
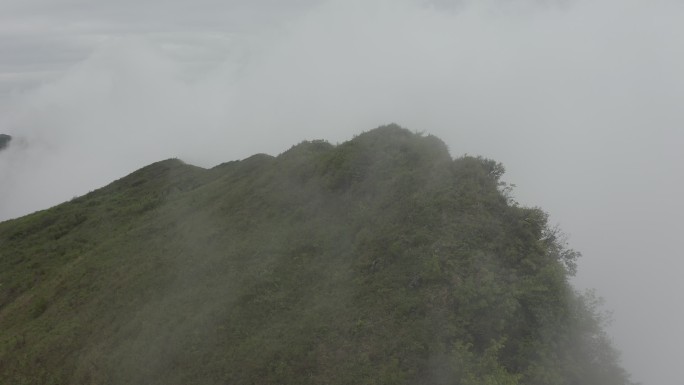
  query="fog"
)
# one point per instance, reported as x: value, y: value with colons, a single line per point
x: 580, y: 100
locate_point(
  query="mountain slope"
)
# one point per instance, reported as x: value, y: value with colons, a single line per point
x: 4, y: 141
x: 377, y: 261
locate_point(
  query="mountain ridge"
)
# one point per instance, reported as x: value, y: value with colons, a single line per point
x: 380, y: 260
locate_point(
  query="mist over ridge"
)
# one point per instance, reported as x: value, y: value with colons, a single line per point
x: 576, y: 98
x: 377, y: 260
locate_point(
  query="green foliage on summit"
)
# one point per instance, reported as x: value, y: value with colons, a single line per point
x: 381, y: 260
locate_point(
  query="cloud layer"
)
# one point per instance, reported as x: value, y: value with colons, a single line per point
x: 579, y: 99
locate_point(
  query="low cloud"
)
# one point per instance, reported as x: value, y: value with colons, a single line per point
x: 579, y: 99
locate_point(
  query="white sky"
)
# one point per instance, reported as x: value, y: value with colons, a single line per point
x: 580, y: 99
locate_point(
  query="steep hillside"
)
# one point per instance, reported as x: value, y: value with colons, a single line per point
x: 377, y: 261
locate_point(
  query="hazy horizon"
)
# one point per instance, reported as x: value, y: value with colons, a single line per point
x: 578, y: 99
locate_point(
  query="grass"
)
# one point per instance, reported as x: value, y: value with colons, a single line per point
x: 378, y: 261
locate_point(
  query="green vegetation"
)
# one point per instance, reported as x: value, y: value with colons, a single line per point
x: 381, y: 260
x: 4, y: 141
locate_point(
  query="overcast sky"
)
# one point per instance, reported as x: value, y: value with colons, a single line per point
x: 580, y: 99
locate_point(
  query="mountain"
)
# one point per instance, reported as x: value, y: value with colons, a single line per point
x: 380, y: 260
x: 4, y: 141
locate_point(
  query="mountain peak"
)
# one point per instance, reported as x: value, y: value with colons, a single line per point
x: 379, y: 260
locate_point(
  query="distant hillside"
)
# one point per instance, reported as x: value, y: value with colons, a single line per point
x: 4, y: 141
x: 381, y: 260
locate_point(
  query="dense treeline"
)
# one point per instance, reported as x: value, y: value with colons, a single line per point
x: 381, y: 260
